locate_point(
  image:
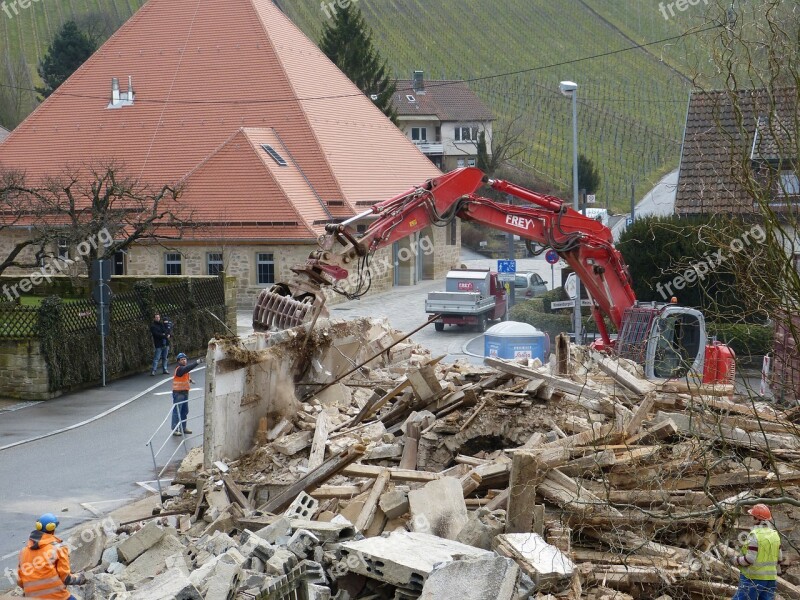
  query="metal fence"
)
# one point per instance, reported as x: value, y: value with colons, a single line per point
x: 80, y: 315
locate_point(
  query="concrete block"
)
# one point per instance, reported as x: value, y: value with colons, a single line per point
x: 482, y: 527
x: 254, y: 546
x: 223, y: 577
x: 109, y: 556
x: 317, y: 592
x: 302, y: 543
x: 403, y: 559
x: 115, y: 568
x: 280, y: 528
x: 103, y: 586
x: 438, y: 508
x: 304, y: 507
x: 152, y: 562
x: 394, y: 504
x: 544, y: 563
x: 217, y: 543
x: 88, y: 543
x: 293, y: 443
x: 329, y: 531
x: 383, y: 452
x: 224, y: 522
x: 478, y: 579
x: 169, y: 585
x: 281, y: 562
x: 148, y: 536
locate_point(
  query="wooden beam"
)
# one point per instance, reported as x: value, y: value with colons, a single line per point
x: 619, y: 374
x: 367, y: 513
x: 317, y: 456
x: 526, y: 473
x: 559, y: 383
x: 371, y: 471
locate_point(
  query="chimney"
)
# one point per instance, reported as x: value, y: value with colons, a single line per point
x: 130, y: 89
x: 114, y: 90
x: 418, y: 84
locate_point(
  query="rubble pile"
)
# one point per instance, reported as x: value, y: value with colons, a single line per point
x: 577, y: 479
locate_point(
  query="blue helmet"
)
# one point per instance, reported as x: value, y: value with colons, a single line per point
x: 47, y: 522
x: 181, y: 355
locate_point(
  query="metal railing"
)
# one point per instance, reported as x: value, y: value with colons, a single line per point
x: 155, y: 454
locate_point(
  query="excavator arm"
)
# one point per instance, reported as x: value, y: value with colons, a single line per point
x: 584, y: 243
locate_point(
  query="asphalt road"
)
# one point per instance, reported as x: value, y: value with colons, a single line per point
x: 92, y: 459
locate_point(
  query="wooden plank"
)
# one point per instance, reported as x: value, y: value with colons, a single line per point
x: 313, y: 478
x: 317, y: 456
x: 411, y: 446
x: 526, y: 473
x: 659, y: 431
x: 639, y: 415
x: 697, y: 388
x: 367, y: 513
x: 621, y: 375
x: 326, y: 492
x: 596, y: 435
x: 235, y: 492
x: 371, y: 471
x: 559, y: 383
x: 590, y: 463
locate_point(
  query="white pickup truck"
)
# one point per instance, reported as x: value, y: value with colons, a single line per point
x: 471, y: 297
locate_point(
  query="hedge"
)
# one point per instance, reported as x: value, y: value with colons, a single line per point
x: 745, y: 339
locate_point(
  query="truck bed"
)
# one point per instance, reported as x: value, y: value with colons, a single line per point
x: 461, y: 303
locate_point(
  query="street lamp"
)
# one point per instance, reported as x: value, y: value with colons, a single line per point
x: 570, y: 90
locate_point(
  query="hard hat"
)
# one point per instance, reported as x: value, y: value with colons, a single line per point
x: 47, y: 522
x: 181, y: 355
x: 760, y: 511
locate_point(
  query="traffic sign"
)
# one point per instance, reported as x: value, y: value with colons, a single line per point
x: 628, y: 221
x: 590, y: 199
x: 506, y: 277
x: 551, y: 256
x: 569, y: 304
x: 506, y: 266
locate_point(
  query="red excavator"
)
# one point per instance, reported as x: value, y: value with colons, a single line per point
x: 670, y: 341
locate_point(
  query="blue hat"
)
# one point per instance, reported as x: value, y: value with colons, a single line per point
x: 47, y: 522
x: 181, y: 355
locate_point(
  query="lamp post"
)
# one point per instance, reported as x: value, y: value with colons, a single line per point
x: 570, y: 90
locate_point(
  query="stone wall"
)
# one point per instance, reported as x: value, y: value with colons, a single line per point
x: 23, y: 371
x: 239, y: 261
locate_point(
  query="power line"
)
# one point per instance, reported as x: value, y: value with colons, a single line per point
x: 428, y: 85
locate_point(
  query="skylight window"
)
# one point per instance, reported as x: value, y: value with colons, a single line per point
x: 410, y: 98
x: 274, y: 154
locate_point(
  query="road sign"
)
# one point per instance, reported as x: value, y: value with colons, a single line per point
x: 628, y: 221
x: 506, y: 277
x: 551, y: 256
x: 569, y: 304
x: 590, y: 199
x: 506, y: 266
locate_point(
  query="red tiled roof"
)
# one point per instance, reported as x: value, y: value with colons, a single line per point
x: 448, y: 100
x: 213, y: 80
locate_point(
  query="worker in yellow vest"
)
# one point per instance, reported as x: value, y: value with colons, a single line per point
x: 759, y: 558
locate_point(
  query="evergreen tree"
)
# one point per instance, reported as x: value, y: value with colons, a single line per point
x: 484, y: 162
x: 69, y: 50
x: 347, y: 41
x: 588, y: 176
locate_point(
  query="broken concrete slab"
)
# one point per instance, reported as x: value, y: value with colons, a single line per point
x: 491, y: 578
x: 403, y: 558
x: 438, y: 508
x: 394, y: 503
x: 544, y: 563
x: 482, y: 527
x: 151, y: 563
x: 133, y: 547
x: 169, y: 585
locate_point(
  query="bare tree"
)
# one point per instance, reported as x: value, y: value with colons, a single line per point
x: 98, y: 210
x: 506, y: 143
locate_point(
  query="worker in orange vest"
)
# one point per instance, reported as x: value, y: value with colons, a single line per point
x: 181, y: 384
x: 759, y: 558
x: 44, y: 570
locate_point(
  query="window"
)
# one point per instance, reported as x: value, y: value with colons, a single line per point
x: 452, y: 233
x: 438, y: 133
x: 790, y: 183
x: 172, y: 263
x: 410, y: 98
x: 460, y: 162
x: 419, y: 134
x: 119, y: 262
x: 63, y: 248
x: 265, y: 268
x: 274, y: 154
x: 466, y: 134
x: 214, y: 263
x: 471, y: 162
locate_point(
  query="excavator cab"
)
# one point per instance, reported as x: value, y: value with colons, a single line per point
x: 669, y: 340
